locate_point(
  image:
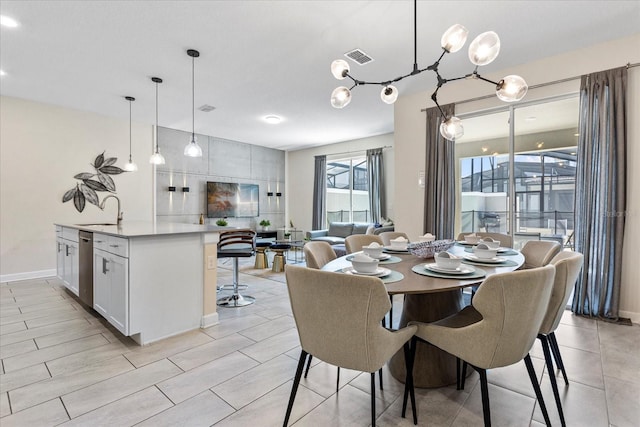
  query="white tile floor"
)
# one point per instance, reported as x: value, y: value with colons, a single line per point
x: 62, y: 364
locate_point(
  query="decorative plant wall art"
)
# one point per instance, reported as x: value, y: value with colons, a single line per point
x: 87, y: 190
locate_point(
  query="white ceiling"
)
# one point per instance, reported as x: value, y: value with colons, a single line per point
x: 270, y: 57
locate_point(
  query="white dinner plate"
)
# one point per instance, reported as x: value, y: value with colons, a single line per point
x: 380, y: 272
x: 463, y: 269
x: 390, y: 249
x: 381, y: 258
x: 465, y: 243
x: 494, y: 260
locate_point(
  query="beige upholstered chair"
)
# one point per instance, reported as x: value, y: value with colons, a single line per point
x: 497, y: 330
x: 568, y: 266
x: 338, y: 320
x: 317, y: 254
x: 505, y: 240
x: 538, y: 253
x: 387, y: 236
x: 355, y: 242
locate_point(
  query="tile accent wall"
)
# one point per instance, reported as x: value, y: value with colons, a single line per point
x: 223, y: 161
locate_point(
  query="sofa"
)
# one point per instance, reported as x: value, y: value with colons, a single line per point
x: 338, y: 231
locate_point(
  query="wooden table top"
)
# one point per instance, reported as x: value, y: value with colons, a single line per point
x: 414, y: 283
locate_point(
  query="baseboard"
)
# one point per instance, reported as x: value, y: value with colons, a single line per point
x: 635, y: 317
x: 27, y: 275
x: 209, y: 320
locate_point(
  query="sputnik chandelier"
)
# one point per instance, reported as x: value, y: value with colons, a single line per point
x: 482, y: 51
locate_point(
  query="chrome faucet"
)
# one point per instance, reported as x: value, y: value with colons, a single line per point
x: 119, y: 220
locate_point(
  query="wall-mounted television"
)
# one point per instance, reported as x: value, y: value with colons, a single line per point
x: 229, y: 199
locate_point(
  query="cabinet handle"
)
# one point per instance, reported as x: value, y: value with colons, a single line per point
x: 114, y: 246
x: 67, y: 250
x: 104, y: 265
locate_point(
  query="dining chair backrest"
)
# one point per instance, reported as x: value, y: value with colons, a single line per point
x: 355, y: 242
x: 512, y: 306
x: 338, y: 317
x: 387, y: 236
x: 568, y: 266
x: 318, y: 254
x: 505, y: 240
x: 538, y: 253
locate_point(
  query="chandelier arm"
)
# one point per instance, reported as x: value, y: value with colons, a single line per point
x: 415, y: 36
x: 476, y: 75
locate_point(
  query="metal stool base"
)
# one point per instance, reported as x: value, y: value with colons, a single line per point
x: 236, y: 300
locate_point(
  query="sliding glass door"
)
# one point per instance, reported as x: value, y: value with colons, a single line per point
x: 525, y: 154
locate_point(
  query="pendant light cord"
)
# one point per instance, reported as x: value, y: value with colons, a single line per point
x: 130, y: 131
x: 193, y: 99
x: 156, y: 117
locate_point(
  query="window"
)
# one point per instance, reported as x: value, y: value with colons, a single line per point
x: 347, y: 190
x: 543, y: 151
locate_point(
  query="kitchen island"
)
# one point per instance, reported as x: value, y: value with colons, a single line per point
x: 151, y: 280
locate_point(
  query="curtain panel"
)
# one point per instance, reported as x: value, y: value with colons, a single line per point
x: 319, y: 218
x: 439, y: 189
x: 600, y: 203
x: 375, y: 172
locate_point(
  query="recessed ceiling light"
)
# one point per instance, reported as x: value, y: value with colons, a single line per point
x: 7, y: 21
x: 530, y: 119
x: 540, y: 144
x: 272, y: 120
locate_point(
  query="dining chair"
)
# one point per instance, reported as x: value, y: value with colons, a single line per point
x: 497, y: 330
x: 317, y: 254
x: 387, y: 236
x: 236, y: 244
x: 506, y: 241
x: 338, y: 320
x: 538, y: 253
x: 568, y: 266
x: 355, y: 242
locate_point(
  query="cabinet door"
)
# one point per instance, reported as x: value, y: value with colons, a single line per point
x: 119, y: 302
x: 60, y: 254
x: 70, y: 277
x: 101, y: 282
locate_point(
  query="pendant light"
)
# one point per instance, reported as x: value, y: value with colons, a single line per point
x: 156, y: 158
x: 130, y: 166
x: 193, y: 149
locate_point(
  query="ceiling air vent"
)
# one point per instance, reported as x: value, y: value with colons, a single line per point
x: 359, y: 57
x: 207, y: 108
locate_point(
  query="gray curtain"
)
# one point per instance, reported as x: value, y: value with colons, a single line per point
x: 439, y: 189
x: 375, y: 173
x: 600, y: 204
x: 319, y: 220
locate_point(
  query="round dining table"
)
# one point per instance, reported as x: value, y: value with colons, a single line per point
x: 428, y: 299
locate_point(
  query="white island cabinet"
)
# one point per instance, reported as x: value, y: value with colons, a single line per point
x: 67, y: 257
x: 154, y: 280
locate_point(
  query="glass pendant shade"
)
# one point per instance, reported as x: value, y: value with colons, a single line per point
x: 454, y: 38
x: 340, y: 97
x: 157, y: 159
x: 130, y: 166
x: 389, y: 94
x: 484, y: 48
x: 451, y: 128
x: 193, y: 149
x: 511, y: 88
x: 339, y: 69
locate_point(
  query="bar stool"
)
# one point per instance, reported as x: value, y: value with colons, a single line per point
x: 262, y: 261
x: 279, y: 260
x: 236, y: 244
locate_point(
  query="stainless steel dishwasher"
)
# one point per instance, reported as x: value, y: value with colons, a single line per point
x: 85, y: 260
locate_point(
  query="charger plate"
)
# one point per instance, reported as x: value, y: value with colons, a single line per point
x: 422, y: 270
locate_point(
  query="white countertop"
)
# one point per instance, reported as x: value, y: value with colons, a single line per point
x: 146, y: 228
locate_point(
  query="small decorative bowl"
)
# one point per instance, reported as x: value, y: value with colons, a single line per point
x: 429, y: 249
x: 483, y: 251
x: 365, y: 266
x: 446, y: 260
x: 491, y: 243
x: 373, y: 252
x: 471, y: 239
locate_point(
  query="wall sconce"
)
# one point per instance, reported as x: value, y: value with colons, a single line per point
x: 269, y: 193
x: 185, y: 189
x: 421, y: 180
x: 172, y: 188
x: 278, y: 194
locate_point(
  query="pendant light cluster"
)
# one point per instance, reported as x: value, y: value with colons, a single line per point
x: 193, y: 149
x: 130, y: 166
x: 482, y: 51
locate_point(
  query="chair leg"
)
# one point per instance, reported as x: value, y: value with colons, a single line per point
x: 306, y: 372
x: 338, y: 380
x: 552, y: 375
x: 461, y: 376
x: 557, y: 356
x: 486, y: 411
x: 373, y: 399
x: 294, y: 389
x: 391, y: 312
x: 536, y: 388
x: 408, y: 384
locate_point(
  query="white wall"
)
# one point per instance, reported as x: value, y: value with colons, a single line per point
x: 300, y: 170
x: 41, y: 148
x: 410, y: 134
